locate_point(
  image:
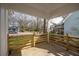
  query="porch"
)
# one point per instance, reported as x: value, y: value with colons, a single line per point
x: 39, y: 44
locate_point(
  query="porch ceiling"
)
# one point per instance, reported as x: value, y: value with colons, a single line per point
x: 45, y: 10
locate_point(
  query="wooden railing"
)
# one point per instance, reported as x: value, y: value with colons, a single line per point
x: 65, y: 41
x: 30, y: 40
x: 37, y: 38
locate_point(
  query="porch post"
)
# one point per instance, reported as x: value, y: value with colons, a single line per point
x: 3, y: 31
x: 44, y: 29
x: 48, y: 32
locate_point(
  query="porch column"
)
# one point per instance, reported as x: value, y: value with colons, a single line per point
x: 3, y: 31
x: 48, y: 32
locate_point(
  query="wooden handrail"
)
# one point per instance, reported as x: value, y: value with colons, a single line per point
x: 63, y: 36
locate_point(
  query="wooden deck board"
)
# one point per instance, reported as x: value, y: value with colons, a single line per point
x: 45, y: 49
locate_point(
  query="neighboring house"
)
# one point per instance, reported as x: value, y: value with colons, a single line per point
x: 59, y: 29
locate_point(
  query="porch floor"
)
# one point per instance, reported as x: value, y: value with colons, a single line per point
x: 45, y: 49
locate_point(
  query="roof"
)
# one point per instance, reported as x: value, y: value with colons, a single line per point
x: 45, y: 10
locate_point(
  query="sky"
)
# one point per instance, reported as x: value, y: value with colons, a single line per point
x: 56, y: 20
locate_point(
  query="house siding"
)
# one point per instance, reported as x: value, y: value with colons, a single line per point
x: 71, y: 26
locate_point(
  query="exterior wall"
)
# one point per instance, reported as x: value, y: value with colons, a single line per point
x: 3, y: 31
x: 0, y: 30
x: 71, y: 25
